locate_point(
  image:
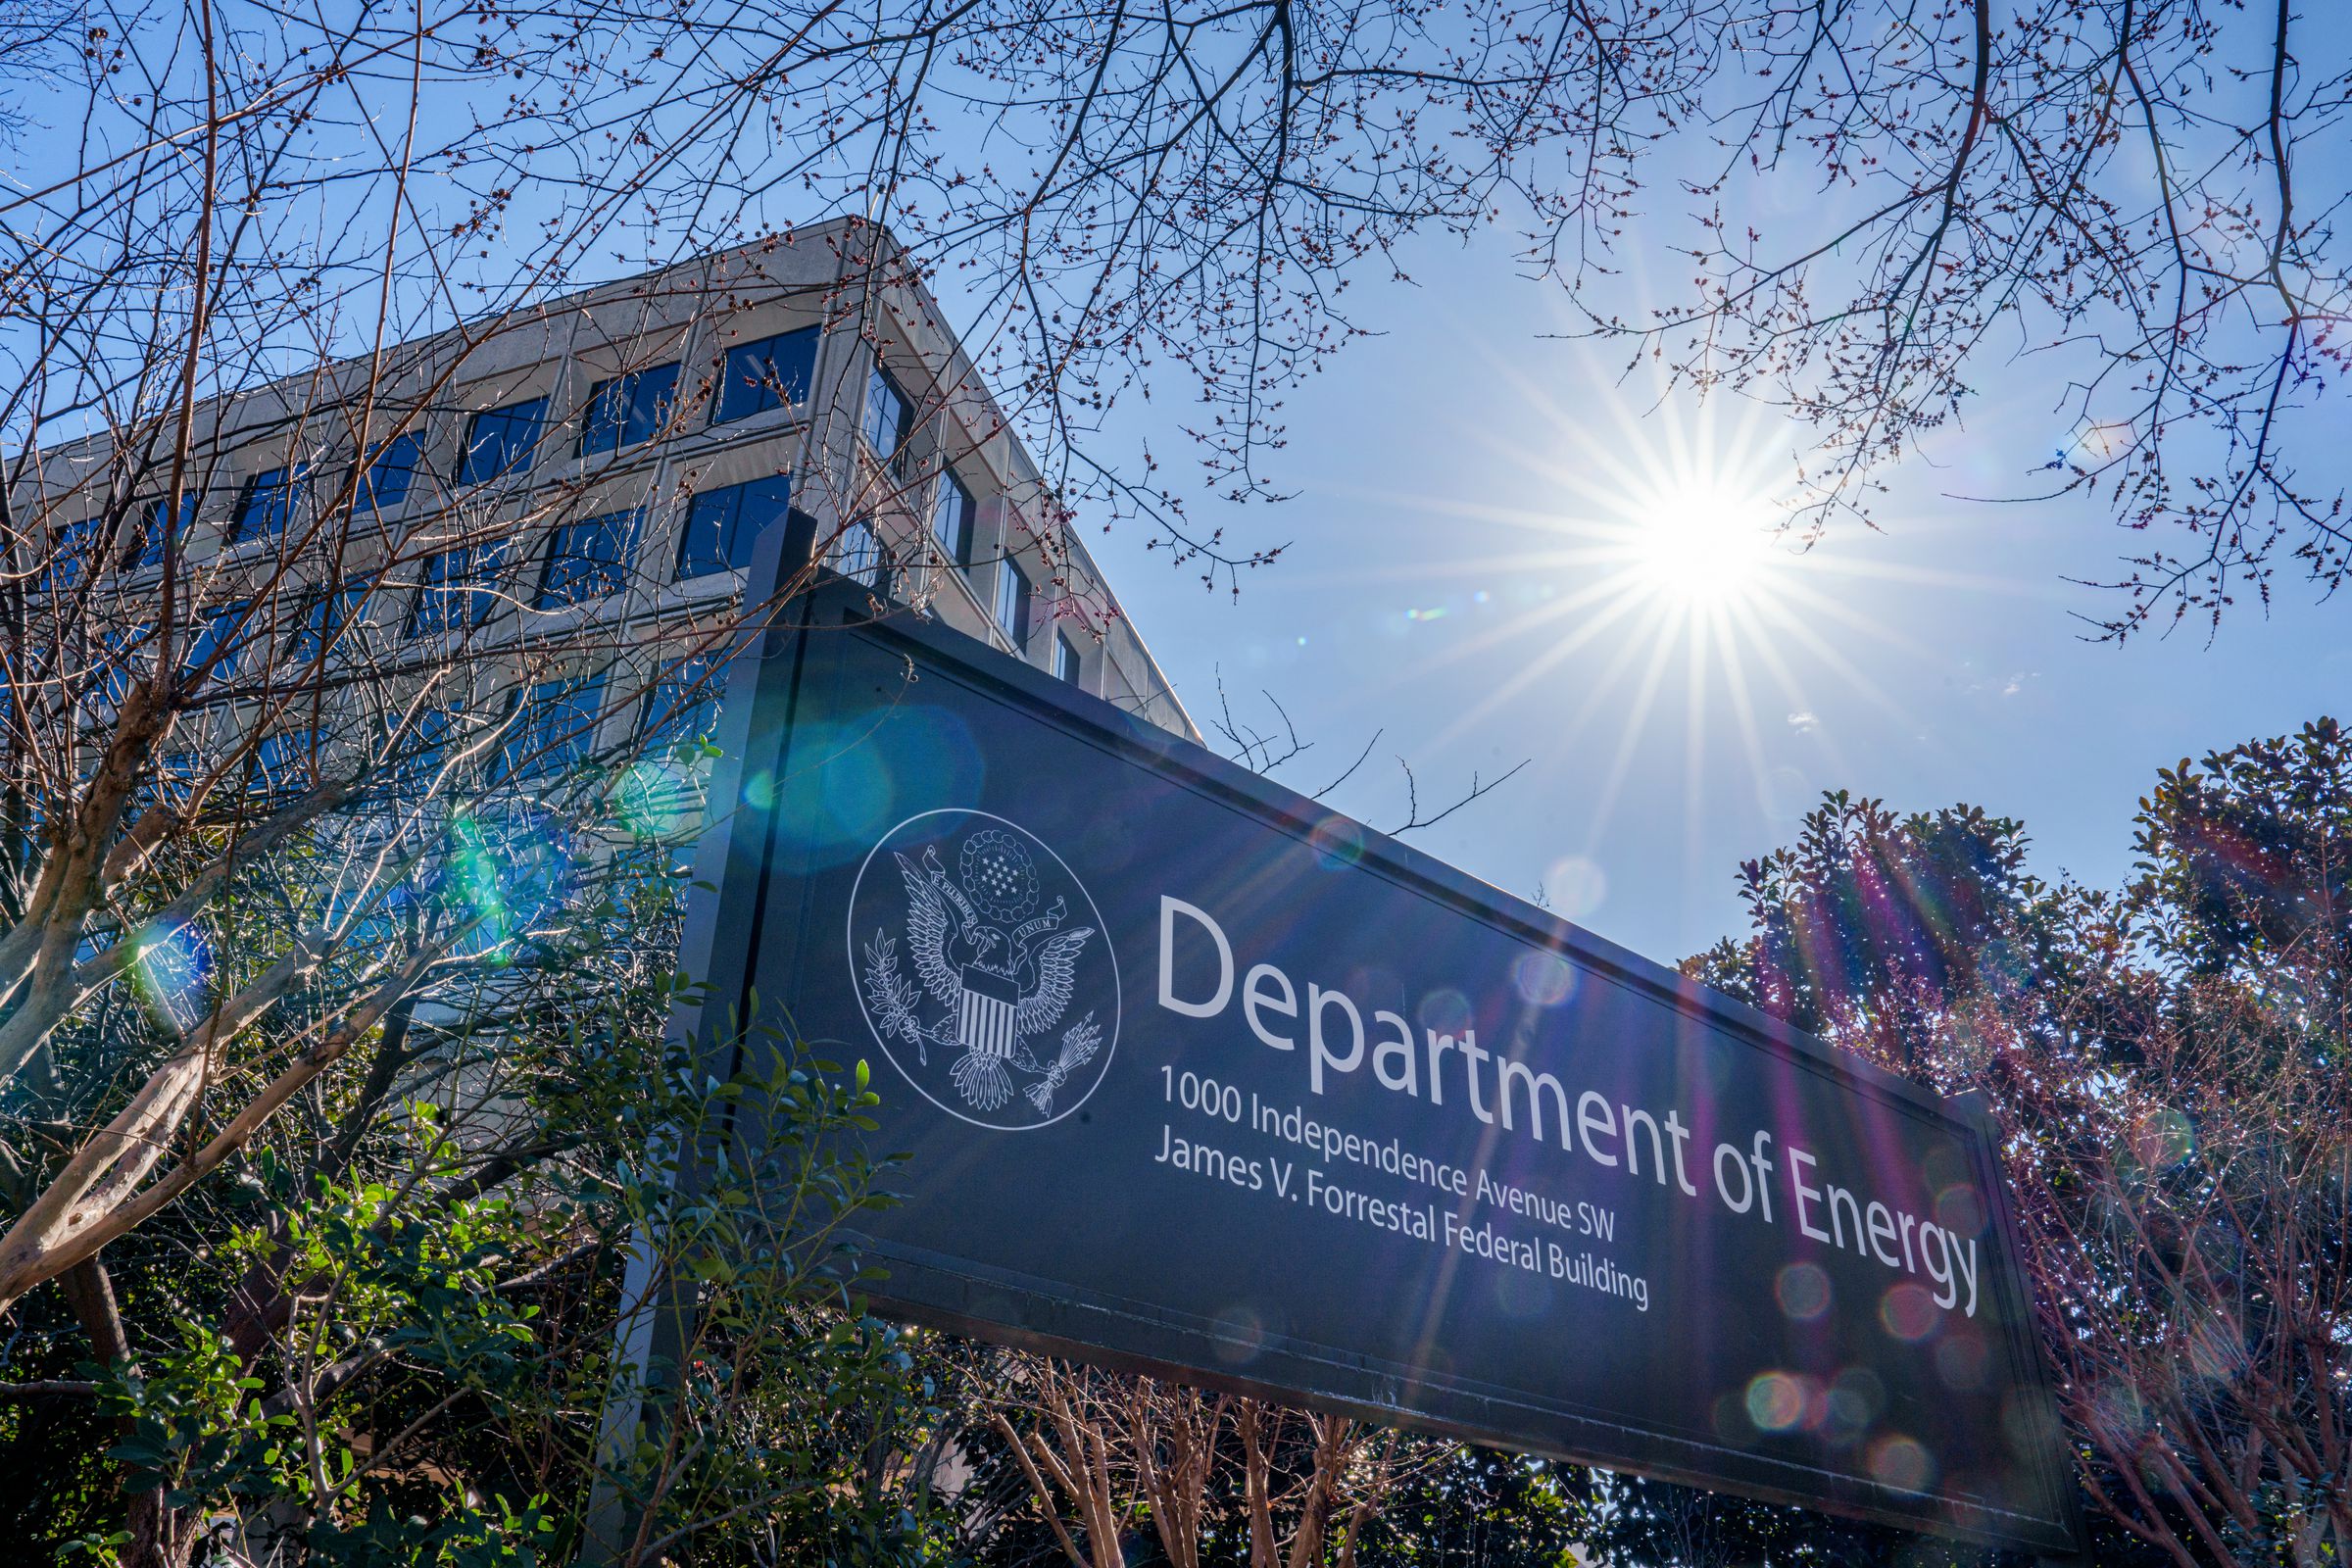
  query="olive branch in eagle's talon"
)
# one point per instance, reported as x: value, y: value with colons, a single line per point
x: 891, y: 995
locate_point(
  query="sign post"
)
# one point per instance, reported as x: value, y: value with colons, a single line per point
x: 1197, y: 1078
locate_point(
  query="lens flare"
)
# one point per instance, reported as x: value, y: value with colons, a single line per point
x: 1543, y: 979
x: 653, y: 799
x: 2163, y: 1138
x: 1908, y: 1312
x: 173, y: 975
x: 1777, y: 1401
x: 1575, y: 886
x: 1803, y: 1290
x: 1900, y: 1462
x: 503, y: 874
x: 1961, y: 1361
x: 1447, y: 1011
x: 1337, y: 842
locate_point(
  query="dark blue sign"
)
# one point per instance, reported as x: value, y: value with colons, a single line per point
x: 1196, y: 1077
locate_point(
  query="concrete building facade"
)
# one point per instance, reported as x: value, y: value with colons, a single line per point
x: 564, y: 488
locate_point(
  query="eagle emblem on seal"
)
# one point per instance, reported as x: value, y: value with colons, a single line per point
x: 993, y: 973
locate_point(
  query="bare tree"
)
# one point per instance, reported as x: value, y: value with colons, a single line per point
x: 1102, y: 1452
x: 2137, y: 199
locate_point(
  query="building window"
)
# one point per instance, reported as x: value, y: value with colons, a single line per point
x: 502, y: 441
x: 952, y: 516
x: 553, y: 729
x: 123, y: 663
x: 722, y: 523
x: 324, y: 621
x: 683, y: 707
x: 885, y: 423
x: 628, y: 409
x: 417, y: 758
x: 152, y: 516
x: 391, y: 469
x: 221, y: 635
x: 271, y: 498
x: 456, y: 594
x: 773, y: 373
x: 1013, y: 605
x: 1066, y: 658
x: 281, y: 763
x: 587, y: 559
x: 176, y: 772
x: 857, y: 553
x: 70, y: 547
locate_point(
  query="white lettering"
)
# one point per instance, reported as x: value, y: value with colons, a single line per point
x: 1592, y: 1114
x: 1401, y: 1050
x: 1169, y: 908
x: 1729, y: 1154
x: 1939, y: 1262
x: 1797, y: 1161
x: 1882, y: 1225
x: 1319, y: 1055
x: 1284, y: 1002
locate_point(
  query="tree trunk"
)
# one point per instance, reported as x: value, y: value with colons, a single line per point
x: 160, y: 1537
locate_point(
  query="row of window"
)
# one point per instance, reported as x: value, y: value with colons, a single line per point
x: 554, y: 723
x: 622, y: 411
x: 552, y: 730
x: 586, y: 560
x: 586, y: 557
x: 625, y: 410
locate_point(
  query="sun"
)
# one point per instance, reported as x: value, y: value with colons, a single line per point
x: 1662, y: 575
x: 1700, y: 541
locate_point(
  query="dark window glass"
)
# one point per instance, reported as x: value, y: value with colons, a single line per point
x: 502, y: 441
x: 885, y: 423
x: 219, y: 631
x: 391, y: 469
x: 770, y: 374
x: 586, y: 559
x: 628, y: 409
x: 553, y: 729
x: 1013, y: 605
x: 70, y: 547
x: 281, y: 763
x: 417, y: 757
x: 152, y: 516
x: 684, y: 703
x: 457, y: 591
x: 324, y: 620
x: 952, y: 516
x: 271, y: 498
x: 177, y: 773
x: 857, y: 553
x: 123, y: 658
x: 722, y: 524
x: 1066, y: 658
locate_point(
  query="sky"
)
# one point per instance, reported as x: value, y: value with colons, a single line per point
x: 1490, y: 550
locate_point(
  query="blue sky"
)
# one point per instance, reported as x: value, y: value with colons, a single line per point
x: 1460, y: 477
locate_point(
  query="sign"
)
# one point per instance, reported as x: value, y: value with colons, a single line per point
x: 1196, y: 1077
